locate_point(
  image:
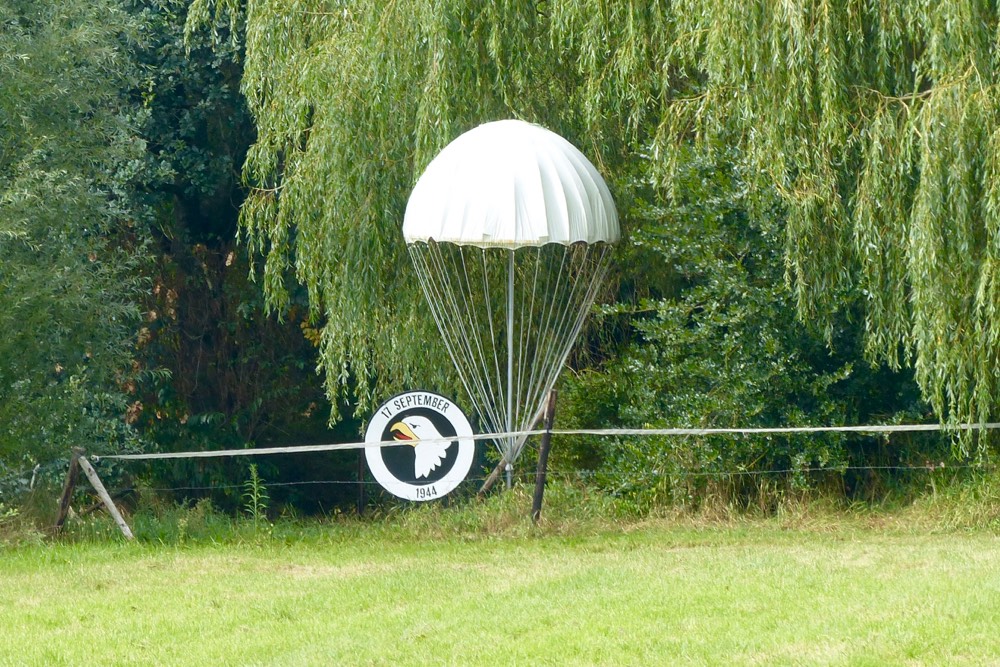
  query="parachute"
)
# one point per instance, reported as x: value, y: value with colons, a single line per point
x: 510, y: 230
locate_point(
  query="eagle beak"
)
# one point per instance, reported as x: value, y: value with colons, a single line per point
x: 403, y: 433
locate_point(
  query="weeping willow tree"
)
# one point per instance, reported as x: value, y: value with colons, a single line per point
x: 351, y: 100
x: 876, y: 123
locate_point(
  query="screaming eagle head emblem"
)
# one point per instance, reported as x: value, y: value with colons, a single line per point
x: 413, y: 430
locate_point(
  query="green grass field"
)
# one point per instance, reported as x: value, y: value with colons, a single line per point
x: 668, y: 591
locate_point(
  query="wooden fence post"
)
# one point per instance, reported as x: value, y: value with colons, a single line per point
x: 68, y: 486
x: 493, y: 477
x: 361, y: 482
x: 543, y: 458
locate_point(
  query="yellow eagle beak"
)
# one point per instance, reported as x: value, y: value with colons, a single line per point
x: 403, y: 433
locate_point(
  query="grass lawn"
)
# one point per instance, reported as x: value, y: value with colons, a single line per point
x: 656, y: 592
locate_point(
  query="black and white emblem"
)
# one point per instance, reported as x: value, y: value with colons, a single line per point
x: 435, y: 451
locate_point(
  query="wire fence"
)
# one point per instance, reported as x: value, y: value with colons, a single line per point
x: 583, y: 476
x: 509, y: 435
x: 579, y: 475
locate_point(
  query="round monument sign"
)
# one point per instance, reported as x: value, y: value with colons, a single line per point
x: 435, y: 449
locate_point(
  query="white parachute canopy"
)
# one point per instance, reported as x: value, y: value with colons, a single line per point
x: 510, y: 184
x: 509, y: 231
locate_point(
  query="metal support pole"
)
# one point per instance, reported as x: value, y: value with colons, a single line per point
x: 510, y: 360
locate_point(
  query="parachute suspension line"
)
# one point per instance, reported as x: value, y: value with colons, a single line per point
x: 472, y: 332
x: 597, y: 275
x: 432, y: 271
x: 527, y: 339
x: 549, y: 364
x: 547, y: 332
x: 535, y: 340
x: 437, y: 301
x: 589, y: 273
x: 563, y: 332
x: 544, y: 334
x: 528, y: 323
x: 526, y: 315
x: 475, y: 314
x: 535, y: 317
x: 492, y: 400
x: 531, y: 342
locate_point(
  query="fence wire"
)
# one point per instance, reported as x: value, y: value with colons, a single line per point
x: 578, y: 475
x: 786, y: 430
x: 583, y: 475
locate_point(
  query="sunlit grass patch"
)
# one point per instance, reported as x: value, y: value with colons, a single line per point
x: 478, y: 584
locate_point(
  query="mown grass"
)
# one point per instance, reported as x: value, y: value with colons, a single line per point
x: 477, y: 584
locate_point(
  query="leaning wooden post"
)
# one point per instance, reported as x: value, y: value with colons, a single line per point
x: 68, y: 486
x: 503, y: 465
x: 105, y: 497
x: 493, y: 477
x: 543, y: 458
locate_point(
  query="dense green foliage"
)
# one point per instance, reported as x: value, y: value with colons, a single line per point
x: 70, y: 258
x: 871, y: 122
x: 716, y: 344
x: 122, y: 146
x: 200, y: 322
x: 808, y: 191
x: 876, y: 124
x: 236, y: 376
x: 349, y: 105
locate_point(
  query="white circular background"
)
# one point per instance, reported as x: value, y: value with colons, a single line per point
x: 463, y: 432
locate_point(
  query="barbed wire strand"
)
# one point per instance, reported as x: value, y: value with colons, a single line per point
x: 586, y: 474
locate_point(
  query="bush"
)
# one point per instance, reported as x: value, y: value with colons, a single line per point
x: 713, y: 340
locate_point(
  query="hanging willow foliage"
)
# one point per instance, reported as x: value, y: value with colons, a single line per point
x: 351, y: 101
x: 874, y: 121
